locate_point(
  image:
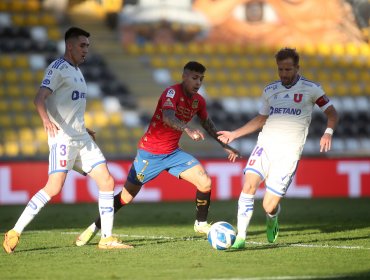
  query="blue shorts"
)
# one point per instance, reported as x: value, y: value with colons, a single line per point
x: 147, y: 166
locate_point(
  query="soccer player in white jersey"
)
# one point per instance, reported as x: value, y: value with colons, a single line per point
x: 61, y: 104
x: 284, y: 116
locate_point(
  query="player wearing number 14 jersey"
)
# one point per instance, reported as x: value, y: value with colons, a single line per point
x: 284, y: 116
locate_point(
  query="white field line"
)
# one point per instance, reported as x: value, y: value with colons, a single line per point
x: 189, y: 238
x: 303, y: 277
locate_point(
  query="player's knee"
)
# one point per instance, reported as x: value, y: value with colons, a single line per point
x: 249, y: 188
x: 205, y: 184
x: 108, y: 184
x: 129, y: 192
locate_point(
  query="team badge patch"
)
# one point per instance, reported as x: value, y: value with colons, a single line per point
x: 170, y: 93
x: 195, y: 104
x: 140, y: 177
x: 298, y: 97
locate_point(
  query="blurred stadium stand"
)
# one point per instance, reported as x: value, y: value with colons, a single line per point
x: 237, y: 75
x: 130, y: 65
x: 31, y: 37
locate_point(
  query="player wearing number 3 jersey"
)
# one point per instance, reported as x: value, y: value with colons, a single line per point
x: 61, y: 104
x: 284, y: 116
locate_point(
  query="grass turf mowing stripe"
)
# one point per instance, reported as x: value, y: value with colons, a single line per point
x: 250, y: 242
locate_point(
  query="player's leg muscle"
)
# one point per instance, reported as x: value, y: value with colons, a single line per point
x: 55, y: 183
x: 102, y: 177
x: 251, y: 183
x: 270, y: 203
x: 129, y: 191
x: 198, y: 177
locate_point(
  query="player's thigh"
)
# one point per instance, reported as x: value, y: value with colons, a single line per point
x: 198, y: 176
x: 252, y: 180
x: 62, y: 153
x: 281, y: 175
x: 55, y: 183
x: 145, y: 167
x: 100, y: 174
x: 89, y: 155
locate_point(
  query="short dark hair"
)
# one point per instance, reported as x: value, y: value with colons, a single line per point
x: 74, y: 32
x: 285, y: 53
x: 195, y: 66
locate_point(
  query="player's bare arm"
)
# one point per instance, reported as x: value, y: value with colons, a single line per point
x: 171, y: 120
x: 39, y: 102
x: 253, y: 125
x: 210, y: 127
x: 325, y: 141
x: 91, y: 133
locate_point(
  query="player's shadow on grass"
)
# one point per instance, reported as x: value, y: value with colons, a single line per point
x: 138, y: 242
x: 48, y: 249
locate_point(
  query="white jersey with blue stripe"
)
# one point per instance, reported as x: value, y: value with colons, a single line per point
x: 289, y: 113
x: 67, y: 103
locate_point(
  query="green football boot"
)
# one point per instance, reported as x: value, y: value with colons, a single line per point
x: 272, y: 229
x: 239, y: 243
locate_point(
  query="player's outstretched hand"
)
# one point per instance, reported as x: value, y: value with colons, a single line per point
x: 233, y: 154
x: 325, y: 142
x: 194, y: 134
x: 50, y: 128
x: 225, y: 136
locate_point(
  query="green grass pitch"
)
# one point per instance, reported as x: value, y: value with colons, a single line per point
x: 318, y: 239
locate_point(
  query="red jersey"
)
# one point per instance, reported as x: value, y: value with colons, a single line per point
x: 162, y: 139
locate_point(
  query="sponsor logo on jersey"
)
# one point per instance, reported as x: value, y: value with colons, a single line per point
x: 298, y: 97
x: 50, y: 72
x: 170, y: 93
x: 286, y: 96
x: 285, y: 111
x: 168, y: 103
x: 77, y: 95
x: 195, y: 104
x: 46, y: 82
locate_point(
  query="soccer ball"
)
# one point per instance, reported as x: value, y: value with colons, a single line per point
x: 221, y: 235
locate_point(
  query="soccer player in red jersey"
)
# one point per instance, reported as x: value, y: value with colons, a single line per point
x: 159, y: 150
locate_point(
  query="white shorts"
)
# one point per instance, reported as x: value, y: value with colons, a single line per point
x: 277, y: 168
x: 66, y: 153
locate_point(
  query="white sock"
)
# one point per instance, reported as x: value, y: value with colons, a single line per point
x: 106, y: 212
x: 39, y: 200
x: 245, y: 212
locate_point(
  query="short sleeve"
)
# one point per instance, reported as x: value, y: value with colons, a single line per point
x: 52, y: 79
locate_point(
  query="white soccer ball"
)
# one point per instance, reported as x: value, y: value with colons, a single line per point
x: 221, y: 235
